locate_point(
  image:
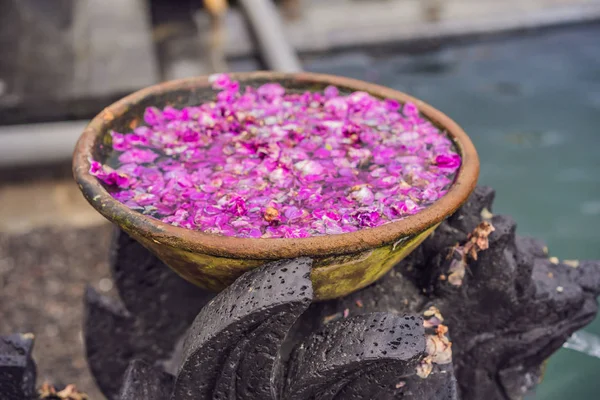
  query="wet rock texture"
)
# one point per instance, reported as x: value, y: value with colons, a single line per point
x: 369, y: 356
x: 154, y: 309
x: 512, y: 310
x: 504, y: 305
x: 231, y: 351
x: 143, y: 381
x: 17, y: 369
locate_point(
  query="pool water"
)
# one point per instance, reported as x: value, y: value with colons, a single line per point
x: 531, y: 105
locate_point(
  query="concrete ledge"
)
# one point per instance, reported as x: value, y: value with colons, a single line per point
x: 327, y: 25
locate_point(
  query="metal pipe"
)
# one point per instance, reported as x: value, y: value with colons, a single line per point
x: 268, y: 29
x: 32, y: 144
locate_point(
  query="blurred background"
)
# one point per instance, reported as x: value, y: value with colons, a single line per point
x: 521, y: 76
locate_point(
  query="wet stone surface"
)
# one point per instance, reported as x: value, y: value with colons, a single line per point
x: 142, y: 381
x: 17, y: 368
x: 139, y: 277
x: 155, y: 308
x: 232, y: 350
x: 366, y: 356
x: 536, y: 305
x: 232, y: 347
x: 261, y: 338
x: 330, y: 352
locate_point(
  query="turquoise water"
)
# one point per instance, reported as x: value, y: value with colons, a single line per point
x: 531, y: 105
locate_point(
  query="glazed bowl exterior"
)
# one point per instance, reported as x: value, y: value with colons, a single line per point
x: 343, y: 263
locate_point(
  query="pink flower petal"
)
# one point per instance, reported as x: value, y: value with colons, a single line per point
x: 265, y: 163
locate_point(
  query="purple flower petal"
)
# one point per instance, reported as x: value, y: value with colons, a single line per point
x: 266, y: 163
x: 448, y: 161
x: 138, y: 156
x: 153, y: 116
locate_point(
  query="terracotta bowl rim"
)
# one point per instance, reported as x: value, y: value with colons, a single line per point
x: 249, y: 248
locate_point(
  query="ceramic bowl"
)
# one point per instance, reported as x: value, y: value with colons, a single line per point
x: 343, y: 263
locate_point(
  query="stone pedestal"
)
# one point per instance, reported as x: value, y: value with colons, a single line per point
x: 17, y: 369
x: 471, y: 314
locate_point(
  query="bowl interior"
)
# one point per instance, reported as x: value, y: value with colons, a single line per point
x: 191, y: 95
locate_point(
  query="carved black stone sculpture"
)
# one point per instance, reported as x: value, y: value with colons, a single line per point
x: 17, y: 369
x: 232, y: 347
x: 370, y: 356
x: 507, y: 307
x: 156, y: 309
x: 471, y: 314
x: 513, y: 308
x: 142, y: 381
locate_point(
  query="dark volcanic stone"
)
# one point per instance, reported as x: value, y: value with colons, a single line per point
x: 467, y: 217
x: 534, y: 247
x: 114, y: 337
x: 17, y: 369
x: 231, y: 351
x: 586, y: 275
x: 535, y: 305
x: 108, y: 330
x: 439, y: 385
x: 394, y: 294
x: 367, y: 356
x: 158, y: 298
x: 157, y: 308
x: 144, y: 382
x: 513, y: 309
x: 443, y: 237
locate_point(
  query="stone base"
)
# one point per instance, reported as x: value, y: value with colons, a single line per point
x: 472, y: 313
x: 17, y: 369
x: 506, y: 305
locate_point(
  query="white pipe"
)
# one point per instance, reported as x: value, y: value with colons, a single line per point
x: 266, y: 24
x: 31, y: 144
